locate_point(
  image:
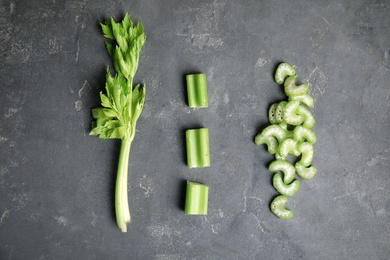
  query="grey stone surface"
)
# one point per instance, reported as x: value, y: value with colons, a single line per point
x: 56, y: 181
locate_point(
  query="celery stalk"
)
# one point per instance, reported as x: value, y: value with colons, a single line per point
x: 198, y: 148
x: 196, y: 199
x: 197, y: 90
x: 122, y: 210
x: 122, y: 103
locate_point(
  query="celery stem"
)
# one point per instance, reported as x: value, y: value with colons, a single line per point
x: 121, y: 198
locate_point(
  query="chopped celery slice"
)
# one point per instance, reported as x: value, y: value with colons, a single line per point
x: 276, y: 131
x: 290, y: 115
x: 271, y: 114
x: 270, y: 141
x: 277, y: 207
x: 291, y: 89
x: 306, y: 99
x: 285, y: 189
x: 301, y: 133
x: 196, y: 199
x: 284, y: 70
x: 284, y: 166
x: 197, y: 90
x: 288, y: 146
x: 279, y: 112
x: 198, y: 148
x: 307, y: 152
x: 305, y: 173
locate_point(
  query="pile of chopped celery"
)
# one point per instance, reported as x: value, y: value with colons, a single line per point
x: 290, y: 138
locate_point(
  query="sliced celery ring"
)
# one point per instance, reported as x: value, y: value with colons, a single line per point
x: 278, y: 208
x: 284, y: 70
x: 284, y: 166
x: 285, y: 189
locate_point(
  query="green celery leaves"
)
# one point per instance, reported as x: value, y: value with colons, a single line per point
x: 129, y: 39
x: 121, y: 109
x: 122, y: 104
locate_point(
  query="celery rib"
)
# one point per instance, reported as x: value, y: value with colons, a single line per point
x: 198, y: 148
x: 197, y: 90
x: 122, y: 103
x: 121, y: 198
x: 196, y: 199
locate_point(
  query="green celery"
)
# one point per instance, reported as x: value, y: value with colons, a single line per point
x: 197, y: 90
x: 196, y: 199
x: 291, y: 89
x: 198, y: 148
x: 284, y: 70
x: 290, y: 133
x: 307, y: 152
x: 277, y: 207
x: 283, y: 188
x: 270, y: 141
x: 122, y: 103
x: 272, y: 114
x: 305, y: 173
x: 284, y: 166
x: 306, y: 99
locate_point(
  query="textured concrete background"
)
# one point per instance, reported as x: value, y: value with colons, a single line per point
x: 56, y: 181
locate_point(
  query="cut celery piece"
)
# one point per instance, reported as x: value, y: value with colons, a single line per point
x: 307, y: 152
x: 271, y: 114
x: 198, y: 148
x: 291, y: 89
x: 270, y: 141
x: 285, y: 189
x: 196, y: 199
x: 284, y: 70
x: 305, y: 173
x: 306, y: 99
x: 276, y: 131
x: 301, y: 133
x: 284, y: 166
x: 278, y: 208
x: 290, y: 115
x: 288, y: 146
x: 197, y: 90
x: 279, y: 112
